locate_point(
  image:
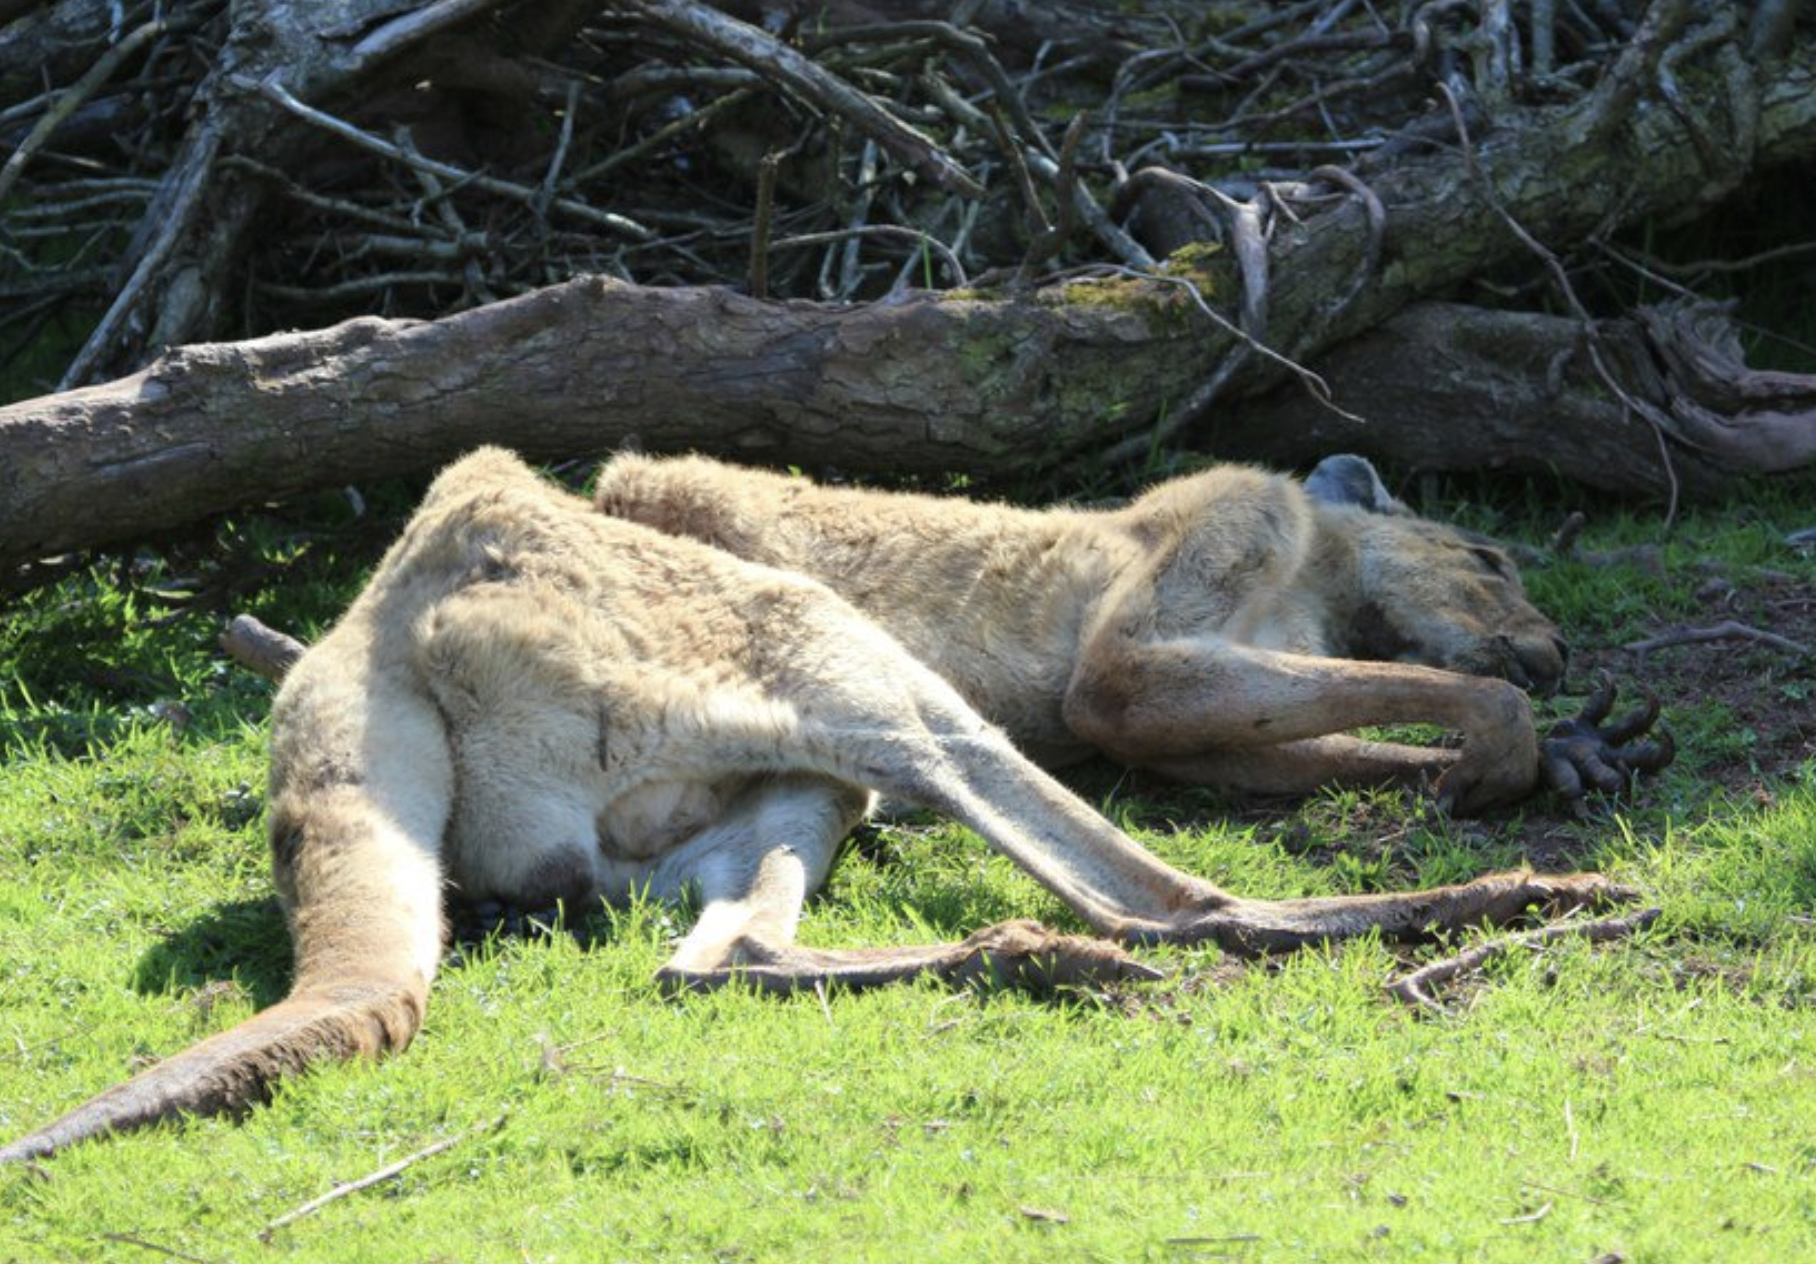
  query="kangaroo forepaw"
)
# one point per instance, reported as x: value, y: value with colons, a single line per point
x: 1582, y: 753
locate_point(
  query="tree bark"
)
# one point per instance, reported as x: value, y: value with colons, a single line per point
x: 1448, y: 387
x: 923, y: 386
x: 929, y: 384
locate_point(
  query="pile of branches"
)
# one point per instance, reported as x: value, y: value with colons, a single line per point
x: 194, y: 170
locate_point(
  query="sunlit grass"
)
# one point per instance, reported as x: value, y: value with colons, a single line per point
x: 1653, y: 1099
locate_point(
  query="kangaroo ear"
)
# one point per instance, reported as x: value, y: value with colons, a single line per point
x: 1346, y: 479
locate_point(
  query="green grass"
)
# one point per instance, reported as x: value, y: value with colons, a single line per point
x: 1655, y: 1099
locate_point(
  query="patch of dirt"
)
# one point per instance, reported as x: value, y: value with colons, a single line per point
x: 1768, y: 688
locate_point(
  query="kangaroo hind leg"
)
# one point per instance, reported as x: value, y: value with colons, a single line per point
x: 755, y: 866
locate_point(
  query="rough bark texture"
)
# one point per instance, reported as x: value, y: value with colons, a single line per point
x: 1449, y: 387
x: 928, y: 384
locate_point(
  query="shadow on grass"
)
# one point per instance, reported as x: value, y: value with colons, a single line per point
x: 243, y: 942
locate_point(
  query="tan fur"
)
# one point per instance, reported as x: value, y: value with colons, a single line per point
x: 1222, y: 628
x: 533, y: 701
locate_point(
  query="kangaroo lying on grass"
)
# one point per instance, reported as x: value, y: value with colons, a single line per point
x: 533, y: 702
x: 1225, y: 628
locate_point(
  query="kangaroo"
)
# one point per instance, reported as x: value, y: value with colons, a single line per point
x: 534, y: 702
x: 1227, y: 627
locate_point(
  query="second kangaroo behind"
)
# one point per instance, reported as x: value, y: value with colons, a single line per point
x: 1228, y: 627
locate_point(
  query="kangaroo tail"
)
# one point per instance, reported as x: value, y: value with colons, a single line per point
x: 233, y: 1070
x: 364, y: 892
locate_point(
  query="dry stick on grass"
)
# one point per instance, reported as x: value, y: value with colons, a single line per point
x: 1731, y: 630
x: 145, y: 1244
x: 1415, y: 989
x: 262, y: 650
x: 383, y: 1174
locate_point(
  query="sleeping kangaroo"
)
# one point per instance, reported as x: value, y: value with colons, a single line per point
x: 533, y: 702
x: 1225, y: 628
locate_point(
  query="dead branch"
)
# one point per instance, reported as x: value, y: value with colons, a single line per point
x: 753, y: 47
x: 1415, y: 989
x: 1729, y: 630
x: 273, y: 89
x: 375, y: 1178
x: 260, y: 648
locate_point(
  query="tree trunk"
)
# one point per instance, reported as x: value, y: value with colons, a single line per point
x: 922, y: 386
x: 928, y: 384
x: 1447, y: 387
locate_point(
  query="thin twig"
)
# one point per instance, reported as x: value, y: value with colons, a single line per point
x: 1370, y: 263
x: 1111, y: 234
x: 276, y: 92
x: 71, y: 98
x: 1647, y: 412
x: 1316, y: 385
x: 969, y: 47
x: 383, y: 1174
x: 414, y: 27
x: 1038, y: 227
x: 850, y: 273
x: 127, y: 1239
x: 178, y: 197
x: 753, y: 47
x: 692, y: 121
x: 894, y: 232
x: 1531, y: 1217
x: 1731, y: 630
x: 1415, y: 989
x: 551, y: 179
x: 760, y: 224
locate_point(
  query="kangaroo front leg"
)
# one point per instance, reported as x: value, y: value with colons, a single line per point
x: 1161, y: 704
x: 1301, y: 767
x: 754, y: 869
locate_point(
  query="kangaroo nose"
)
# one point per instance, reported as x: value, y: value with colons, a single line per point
x: 1544, y: 663
x: 1533, y: 664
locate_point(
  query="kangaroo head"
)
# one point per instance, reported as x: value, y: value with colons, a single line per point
x: 1426, y: 593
